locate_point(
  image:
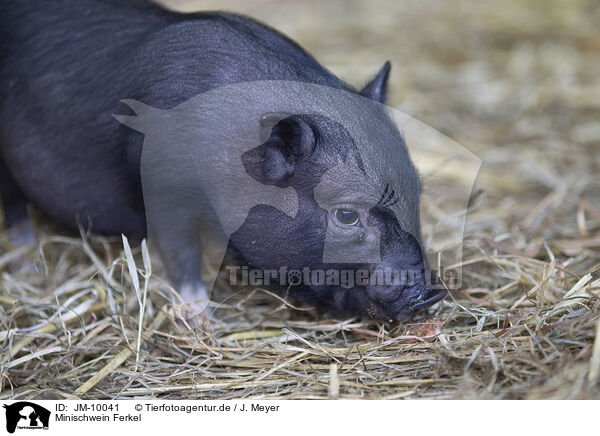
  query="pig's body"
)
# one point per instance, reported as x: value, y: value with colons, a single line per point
x: 66, y: 65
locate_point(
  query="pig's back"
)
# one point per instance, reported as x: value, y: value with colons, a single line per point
x: 66, y: 66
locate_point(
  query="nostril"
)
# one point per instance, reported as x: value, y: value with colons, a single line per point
x: 432, y: 297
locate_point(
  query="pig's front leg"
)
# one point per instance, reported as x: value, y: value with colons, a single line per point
x: 181, y: 252
x: 180, y: 243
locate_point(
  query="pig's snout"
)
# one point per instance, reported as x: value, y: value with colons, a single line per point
x: 401, y: 301
x: 402, y: 284
x: 419, y: 297
x: 400, y: 298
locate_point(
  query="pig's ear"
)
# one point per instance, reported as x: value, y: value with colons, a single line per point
x: 376, y: 89
x: 274, y: 162
x: 270, y: 120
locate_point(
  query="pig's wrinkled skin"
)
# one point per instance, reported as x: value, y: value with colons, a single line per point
x: 66, y: 66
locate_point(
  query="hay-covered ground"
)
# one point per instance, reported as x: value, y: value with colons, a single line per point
x: 517, y: 82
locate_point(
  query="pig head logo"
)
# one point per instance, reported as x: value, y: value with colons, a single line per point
x: 287, y: 176
x: 24, y: 414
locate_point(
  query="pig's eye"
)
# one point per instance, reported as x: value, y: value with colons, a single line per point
x: 347, y: 217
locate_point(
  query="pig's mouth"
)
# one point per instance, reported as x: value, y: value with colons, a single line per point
x: 425, y: 298
x: 409, y: 301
